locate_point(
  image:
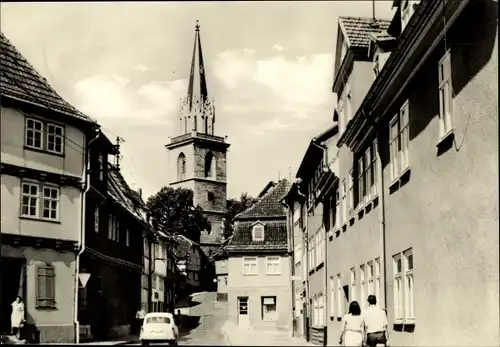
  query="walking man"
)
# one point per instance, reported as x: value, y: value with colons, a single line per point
x: 375, y: 324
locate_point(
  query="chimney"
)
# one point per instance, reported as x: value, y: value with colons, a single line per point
x: 139, y: 191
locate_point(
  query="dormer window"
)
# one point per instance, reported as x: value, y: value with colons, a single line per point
x: 258, y: 232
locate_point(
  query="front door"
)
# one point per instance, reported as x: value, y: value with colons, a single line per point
x: 12, y: 280
x: 243, y: 319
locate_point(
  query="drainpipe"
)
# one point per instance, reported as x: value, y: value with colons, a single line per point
x: 383, y: 265
x: 81, y: 236
x: 292, y: 254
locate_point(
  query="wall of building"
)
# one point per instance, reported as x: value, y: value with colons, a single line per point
x: 220, y: 159
x: 67, y: 228
x: 173, y: 154
x: 256, y: 286
x: 54, y: 325
x: 12, y: 137
x: 447, y: 211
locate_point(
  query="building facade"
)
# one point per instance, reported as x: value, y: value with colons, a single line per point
x: 437, y: 137
x: 190, y: 260
x: 43, y: 178
x: 198, y: 156
x: 221, y: 271
x: 113, y: 257
x: 259, y: 267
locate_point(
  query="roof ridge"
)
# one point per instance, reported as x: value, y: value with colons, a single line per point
x: 262, y: 199
x: 365, y: 18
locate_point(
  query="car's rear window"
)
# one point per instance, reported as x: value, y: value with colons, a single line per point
x: 165, y: 320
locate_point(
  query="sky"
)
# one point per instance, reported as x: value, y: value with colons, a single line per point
x: 269, y: 68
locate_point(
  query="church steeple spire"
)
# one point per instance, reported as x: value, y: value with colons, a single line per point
x: 197, y: 111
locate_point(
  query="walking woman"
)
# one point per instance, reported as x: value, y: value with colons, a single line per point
x: 352, y: 326
x: 17, y: 316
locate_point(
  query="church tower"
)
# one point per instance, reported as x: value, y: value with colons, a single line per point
x: 197, y: 155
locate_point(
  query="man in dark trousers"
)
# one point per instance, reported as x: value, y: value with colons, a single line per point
x: 177, y: 318
x: 375, y: 324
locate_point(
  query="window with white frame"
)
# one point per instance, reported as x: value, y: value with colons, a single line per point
x: 101, y: 166
x: 36, y: 205
x: 398, y: 288
x: 250, y: 266
x: 337, y: 208
x: 160, y: 283
x: 350, y: 199
x: 96, y: 218
x: 34, y: 133
x: 55, y: 138
x: 44, y: 136
x: 445, y: 96
x: 399, y: 142
x: 321, y: 310
x: 371, y: 273
x: 353, y: 284
x: 367, y: 174
x: 362, y: 286
x: 113, y: 228
x: 377, y: 278
x: 258, y: 232
x: 332, y: 296
x: 340, y: 297
x: 30, y: 198
x: 409, y: 286
x: 344, y: 207
x: 273, y: 265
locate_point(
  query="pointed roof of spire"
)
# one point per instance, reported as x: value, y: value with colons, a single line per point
x: 197, y: 90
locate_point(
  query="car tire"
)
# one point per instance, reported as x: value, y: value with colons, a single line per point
x: 144, y: 343
x: 172, y: 343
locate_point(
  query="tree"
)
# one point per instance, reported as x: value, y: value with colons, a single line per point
x: 234, y: 207
x: 173, y: 212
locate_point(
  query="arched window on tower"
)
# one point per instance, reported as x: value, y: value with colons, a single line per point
x: 210, y: 165
x: 181, y: 167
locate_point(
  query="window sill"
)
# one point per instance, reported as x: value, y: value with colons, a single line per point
x: 250, y: 274
x: 267, y: 274
x: 403, y: 176
x: 445, y: 137
x: 46, y: 308
x: 37, y: 219
x: 39, y: 150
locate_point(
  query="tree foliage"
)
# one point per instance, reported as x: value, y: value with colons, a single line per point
x: 173, y: 212
x: 234, y: 207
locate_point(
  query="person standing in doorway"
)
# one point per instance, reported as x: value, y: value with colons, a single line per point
x: 139, y: 319
x: 375, y: 322
x: 17, y: 316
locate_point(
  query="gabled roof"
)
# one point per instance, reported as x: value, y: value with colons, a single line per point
x: 272, y: 214
x: 269, y: 205
x: 357, y: 30
x: 120, y: 191
x: 20, y: 81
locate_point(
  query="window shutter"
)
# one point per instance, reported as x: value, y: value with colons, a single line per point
x: 45, y: 286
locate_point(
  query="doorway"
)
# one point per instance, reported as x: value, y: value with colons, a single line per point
x: 13, y: 283
x: 243, y: 318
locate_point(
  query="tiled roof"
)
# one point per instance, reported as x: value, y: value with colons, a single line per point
x: 269, y: 204
x: 358, y: 29
x: 122, y: 194
x: 19, y: 80
x: 275, y: 237
x: 184, y: 245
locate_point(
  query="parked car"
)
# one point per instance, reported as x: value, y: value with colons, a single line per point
x: 159, y: 327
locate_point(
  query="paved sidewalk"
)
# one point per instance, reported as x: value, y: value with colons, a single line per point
x: 236, y: 336
x: 122, y: 340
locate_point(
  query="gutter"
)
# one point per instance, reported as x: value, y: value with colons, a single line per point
x: 81, y: 237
